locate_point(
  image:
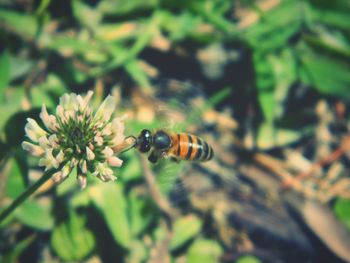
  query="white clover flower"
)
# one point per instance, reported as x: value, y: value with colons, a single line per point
x: 77, y: 137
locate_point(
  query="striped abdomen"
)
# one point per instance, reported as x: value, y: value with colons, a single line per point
x: 190, y: 147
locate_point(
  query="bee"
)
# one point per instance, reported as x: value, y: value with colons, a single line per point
x: 176, y: 146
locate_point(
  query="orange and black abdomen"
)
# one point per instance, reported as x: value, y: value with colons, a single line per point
x: 190, y: 147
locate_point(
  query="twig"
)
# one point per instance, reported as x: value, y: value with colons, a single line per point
x: 162, y: 202
x: 160, y: 252
x: 274, y: 165
x: 335, y: 155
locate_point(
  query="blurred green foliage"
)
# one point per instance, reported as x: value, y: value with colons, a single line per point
x: 248, y: 259
x: 295, y: 43
x: 342, y: 210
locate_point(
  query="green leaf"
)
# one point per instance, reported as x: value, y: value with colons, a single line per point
x: 71, y: 240
x: 20, y: 66
x: 267, y: 103
x: 69, y: 184
x: 264, y: 73
x: 40, y: 97
x: 47, y: 92
x: 131, y: 168
x: 44, y: 4
x: 339, y: 18
x: 275, y: 75
x: 87, y: 16
x: 140, y: 213
x: 81, y: 198
x: 269, y: 136
x: 185, y: 229
x: 4, y: 152
x: 12, y: 104
x: 248, y: 259
x: 115, y: 32
x: 275, y: 27
x: 218, y: 97
x: 15, y: 252
x: 284, y: 71
x: 204, y: 251
x: 213, y: 13
x: 15, y: 183
x: 22, y: 24
x: 325, y: 73
x: 342, y: 211
x: 110, y: 201
x: 14, y: 128
x: 53, y: 86
x: 330, y: 13
x: 5, y: 66
x: 138, y: 251
x: 14, y: 173
x: 35, y: 214
x: 181, y: 25
x: 117, y: 7
x: 138, y: 74
x: 91, y: 51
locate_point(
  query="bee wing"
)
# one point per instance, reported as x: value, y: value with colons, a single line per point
x: 168, y: 176
x: 175, y: 106
x: 178, y: 181
x: 181, y: 104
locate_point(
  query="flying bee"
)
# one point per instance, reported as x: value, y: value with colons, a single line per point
x: 173, y: 145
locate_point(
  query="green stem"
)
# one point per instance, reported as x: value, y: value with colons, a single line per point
x: 19, y: 200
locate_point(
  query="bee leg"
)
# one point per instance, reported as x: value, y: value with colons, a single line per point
x: 153, y: 157
x: 174, y: 159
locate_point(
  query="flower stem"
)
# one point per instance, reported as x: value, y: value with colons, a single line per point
x: 20, y: 199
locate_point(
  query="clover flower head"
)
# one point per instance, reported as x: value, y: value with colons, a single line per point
x: 76, y: 137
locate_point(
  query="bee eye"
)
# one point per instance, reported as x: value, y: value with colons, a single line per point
x: 146, y: 134
x: 145, y: 147
x: 144, y: 141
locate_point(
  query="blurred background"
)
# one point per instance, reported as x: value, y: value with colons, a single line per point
x: 265, y: 82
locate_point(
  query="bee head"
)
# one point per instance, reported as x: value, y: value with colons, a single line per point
x: 144, y: 141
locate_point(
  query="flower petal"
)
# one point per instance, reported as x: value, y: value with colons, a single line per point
x: 107, y: 130
x: 48, y: 161
x: 98, y: 139
x: 60, y: 176
x: 83, y: 166
x: 44, y: 142
x: 57, y: 177
x: 69, y: 102
x: 115, y: 161
x: 56, y: 143
x: 107, y: 152
x: 64, y: 100
x: 106, y: 109
x: 48, y: 120
x: 44, y: 115
x: 60, y: 156
x: 104, y: 172
x: 33, y: 149
x: 89, y: 154
x: 33, y: 130
x: 82, y: 181
x: 53, y: 141
x: 84, y: 102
